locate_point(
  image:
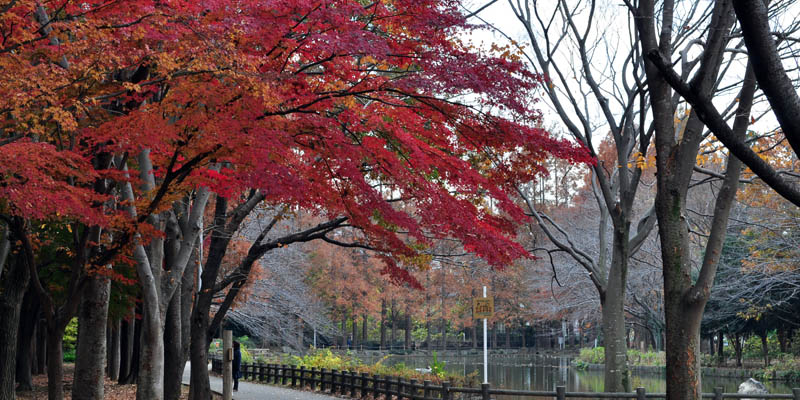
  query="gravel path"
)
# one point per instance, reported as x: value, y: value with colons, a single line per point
x: 254, y: 391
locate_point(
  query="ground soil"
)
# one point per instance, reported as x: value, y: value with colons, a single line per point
x: 113, y: 390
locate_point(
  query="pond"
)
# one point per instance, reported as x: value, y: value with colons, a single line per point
x: 530, y: 372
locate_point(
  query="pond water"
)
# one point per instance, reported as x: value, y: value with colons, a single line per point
x: 530, y: 372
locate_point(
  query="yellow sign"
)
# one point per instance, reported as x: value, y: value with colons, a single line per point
x: 482, y: 307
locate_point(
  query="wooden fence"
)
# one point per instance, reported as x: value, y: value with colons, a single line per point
x: 355, y: 385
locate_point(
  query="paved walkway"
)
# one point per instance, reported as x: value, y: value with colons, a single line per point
x: 254, y: 391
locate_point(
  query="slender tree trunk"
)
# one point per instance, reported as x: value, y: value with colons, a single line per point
x: 428, y: 333
x: 55, y: 359
x: 782, y: 340
x: 720, y: 348
x: 613, y: 313
x: 150, y: 383
x: 41, y: 347
x: 383, y: 324
x: 343, y: 331
x: 523, y: 331
x: 508, y: 336
x: 126, y: 345
x: 475, y: 323
x: 136, y: 351
x: 764, y: 348
x: 90, y: 355
x: 173, y: 360
x: 393, y: 335
x: 14, y: 283
x: 355, y: 331
x: 494, y: 335
x: 409, y: 326
x: 736, y: 342
x: 113, y: 351
x: 25, y: 340
x: 364, y: 330
x: 200, y: 387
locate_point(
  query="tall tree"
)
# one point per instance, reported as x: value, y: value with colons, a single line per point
x: 677, y: 147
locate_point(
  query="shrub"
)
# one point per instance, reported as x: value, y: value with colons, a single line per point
x: 69, y: 355
x: 593, y: 356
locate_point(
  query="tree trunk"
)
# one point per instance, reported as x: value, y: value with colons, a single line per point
x: 720, y: 349
x: 136, y: 352
x: 113, y: 351
x: 393, y: 335
x: 782, y: 340
x: 428, y: 333
x: 355, y: 331
x: 55, y: 360
x: 173, y: 359
x: 736, y: 342
x: 617, y: 378
x: 764, y: 348
x: 383, y: 324
x: 126, y: 345
x: 522, y: 331
x: 200, y: 387
x: 363, y: 330
x: 41, y: 347
x: 343, y: 331
x: 14, y: 283
x: 90, y: 355
x: 409, y: 327
x: 475, y: 323
x: 25, y: 340
x: 150, y: 383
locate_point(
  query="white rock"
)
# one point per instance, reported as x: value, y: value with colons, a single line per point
x: 752, y: 386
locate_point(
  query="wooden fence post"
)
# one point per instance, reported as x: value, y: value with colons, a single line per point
x: 796, y: 393
x: 376, y: 386
x: 485, y: 391
x: 322, y: 379
x: 400, y: 388
x: 561, y: 393
x: 364, y: 382
x: 426, y: 389
x: 294, y: 375
x: 718, y: 393
x: 641, y: 394
x: 412, y: 390
x: 446, y: 390
x: 302, y: 376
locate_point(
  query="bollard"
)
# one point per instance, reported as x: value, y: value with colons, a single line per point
x: 718, y: 393
x: 561, y: 393
x: 485, y: 391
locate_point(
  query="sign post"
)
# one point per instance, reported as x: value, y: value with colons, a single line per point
x: 483, y: 307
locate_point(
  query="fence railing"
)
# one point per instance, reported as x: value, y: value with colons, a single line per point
x: 355, y: 385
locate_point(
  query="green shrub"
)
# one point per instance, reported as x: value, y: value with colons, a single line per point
x: 596, y: 355
x: 635, y: 357
x: 437, y: 367
x: 69, y: 355
x: 70, y: 336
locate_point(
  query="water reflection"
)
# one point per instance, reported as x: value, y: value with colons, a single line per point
x: 545, y: 373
